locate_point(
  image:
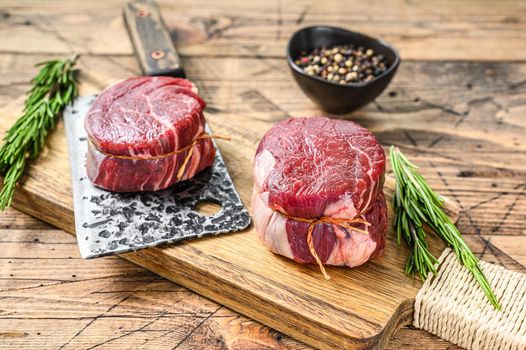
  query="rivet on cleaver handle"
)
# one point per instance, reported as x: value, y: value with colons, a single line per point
x: 152, y: 42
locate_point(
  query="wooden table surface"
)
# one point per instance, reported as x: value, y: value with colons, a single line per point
x: 457, y: 107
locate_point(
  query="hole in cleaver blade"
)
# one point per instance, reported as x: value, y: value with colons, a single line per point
x: 109, y: 223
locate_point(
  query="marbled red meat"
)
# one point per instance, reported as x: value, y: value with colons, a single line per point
x: 311, y: 168
x: 140, y: 132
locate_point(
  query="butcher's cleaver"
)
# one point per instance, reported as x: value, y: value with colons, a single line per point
x: 110, y: 223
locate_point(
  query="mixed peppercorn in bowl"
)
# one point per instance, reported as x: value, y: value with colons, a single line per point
x: 340, y: 70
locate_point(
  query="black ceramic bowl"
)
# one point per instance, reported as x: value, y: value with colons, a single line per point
x: 331, y: 96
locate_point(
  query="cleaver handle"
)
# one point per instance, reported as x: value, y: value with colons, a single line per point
x: 152, y: 42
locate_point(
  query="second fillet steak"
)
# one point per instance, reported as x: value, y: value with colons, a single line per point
x: 323, y: 173
x: 145, y: 134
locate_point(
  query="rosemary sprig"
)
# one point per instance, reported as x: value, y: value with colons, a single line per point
x: 54, y: 87
x: 415, y: 205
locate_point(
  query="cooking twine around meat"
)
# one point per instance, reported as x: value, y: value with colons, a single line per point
x: 345, y: 223
x: 183, y: 166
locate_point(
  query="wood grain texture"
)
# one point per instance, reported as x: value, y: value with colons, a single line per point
x: 438, y: 30
x: 462, y: 121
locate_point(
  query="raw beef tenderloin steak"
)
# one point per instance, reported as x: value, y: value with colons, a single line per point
x: 311, y: 168
x: 142, y: 131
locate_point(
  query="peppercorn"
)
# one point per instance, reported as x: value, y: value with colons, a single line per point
x: 351, y: 76
x: 343, y: 64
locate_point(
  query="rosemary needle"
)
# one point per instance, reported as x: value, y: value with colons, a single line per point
x: 416, y: 204
x: 54, y: 87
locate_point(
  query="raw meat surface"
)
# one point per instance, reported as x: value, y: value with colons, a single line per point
x: 312, y: 167
x: 141, y: 131
x: 145, y: 116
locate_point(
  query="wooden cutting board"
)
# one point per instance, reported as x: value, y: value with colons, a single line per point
x: 358, y: 308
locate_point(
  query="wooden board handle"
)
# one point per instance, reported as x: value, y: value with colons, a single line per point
x: 151, y: 40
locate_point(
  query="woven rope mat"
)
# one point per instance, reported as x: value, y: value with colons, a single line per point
x: 452, y: 306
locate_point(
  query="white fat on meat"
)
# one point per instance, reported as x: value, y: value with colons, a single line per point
x: 350, y: 250
x: 353, y: 250
x: 343, y: 208
x: 270, y: 226
x: 263, y: 164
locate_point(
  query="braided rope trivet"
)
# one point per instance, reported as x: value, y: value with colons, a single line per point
x: 452, y: 306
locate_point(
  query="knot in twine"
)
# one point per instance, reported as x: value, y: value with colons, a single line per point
x: 343, y: 222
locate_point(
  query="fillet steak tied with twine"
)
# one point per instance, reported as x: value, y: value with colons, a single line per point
x: 147, y: 133
x: 318, y: 192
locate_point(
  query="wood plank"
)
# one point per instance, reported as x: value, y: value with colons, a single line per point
x: 445, y: 30
x: 411, y: 338
x: 14, y: 220
x: 513, y: 246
